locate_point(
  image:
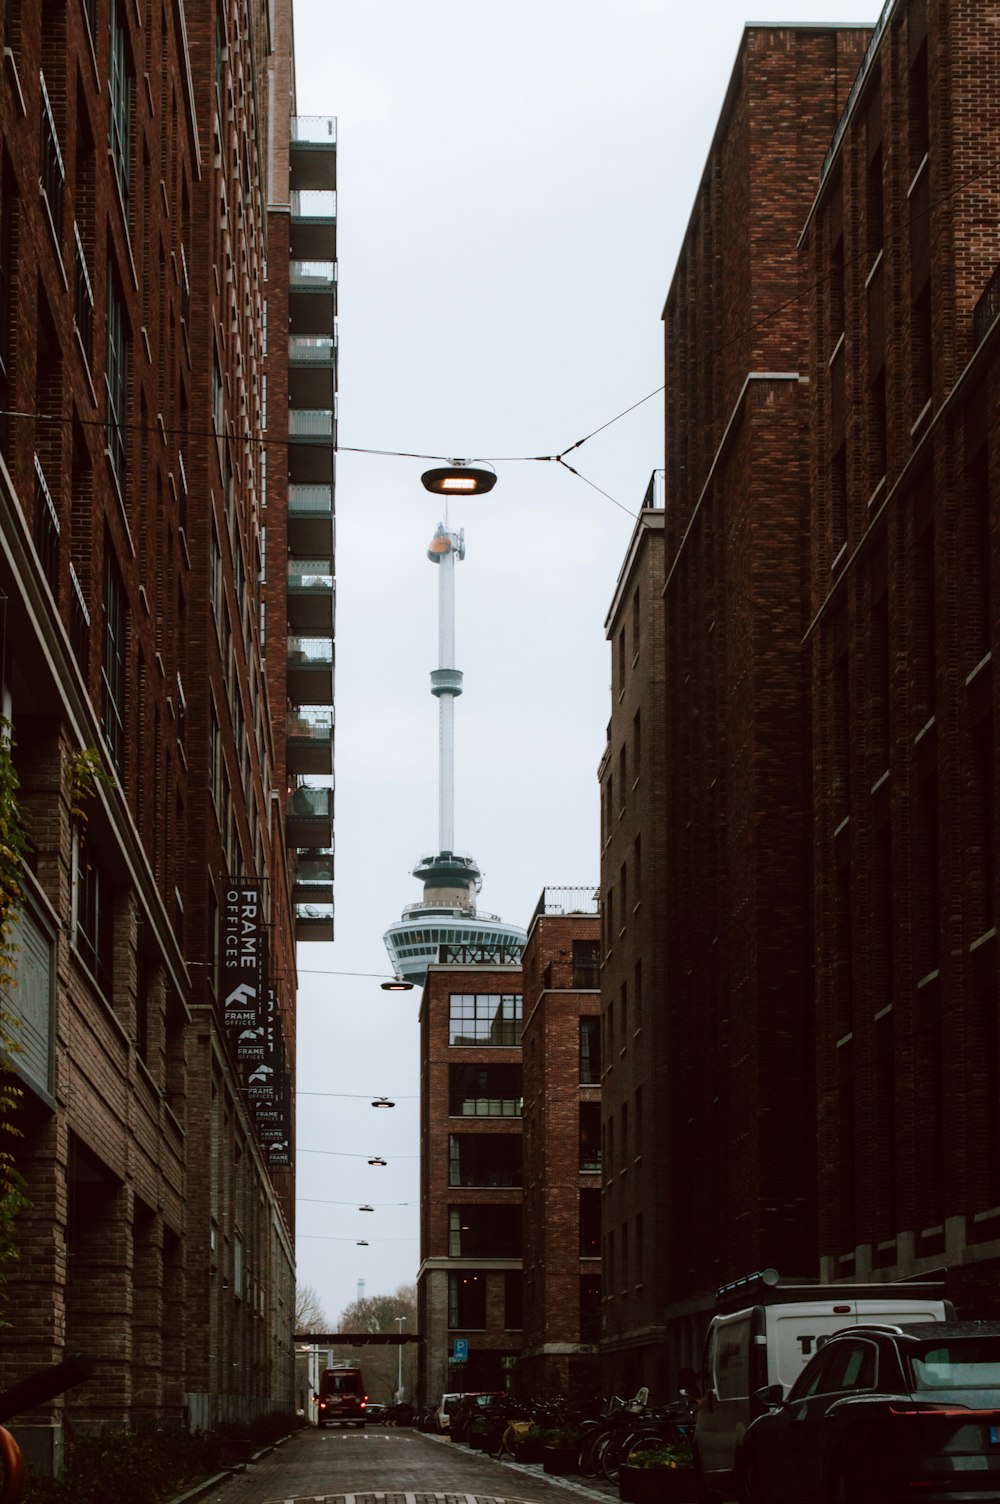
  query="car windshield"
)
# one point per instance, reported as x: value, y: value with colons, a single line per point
x: 966, y: 1370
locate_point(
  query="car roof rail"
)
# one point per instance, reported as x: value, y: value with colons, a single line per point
x: 872, y: 1326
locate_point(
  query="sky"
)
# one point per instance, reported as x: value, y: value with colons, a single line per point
x: 514, y: 182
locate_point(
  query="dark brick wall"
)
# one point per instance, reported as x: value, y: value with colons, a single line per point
x: 903, y: 564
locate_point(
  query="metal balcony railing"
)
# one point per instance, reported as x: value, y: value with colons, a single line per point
x: 310, y: 725
x: 310, y: 500
x: 310, y: 423
x: 313, y: 575
x: 314, y: 865
x: 311, y: 275
x: 314, y: 349
x: 317, y: 130
x: 314, y: 203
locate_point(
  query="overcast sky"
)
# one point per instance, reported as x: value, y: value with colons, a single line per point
x: 514, y: 182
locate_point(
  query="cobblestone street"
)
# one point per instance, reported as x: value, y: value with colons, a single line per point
x: 397, y: 1467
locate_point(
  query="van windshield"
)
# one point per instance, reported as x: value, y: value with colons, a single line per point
x: 342, y: 1383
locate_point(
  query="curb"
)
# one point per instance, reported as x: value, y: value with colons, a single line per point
x: 201, y: 1489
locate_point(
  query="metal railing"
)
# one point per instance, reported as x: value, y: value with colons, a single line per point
x: 314, y: 203
x: 654, y: 497
x: 312, y: 274
x: 310, y: 423
x: 83, y: 296
x: 51, y: 170
x: 567, y: 901
x: 310, y: 500
x: 46, y: 529
x: 315, y: 575
x: 312, y: 348
x: 315, y: 130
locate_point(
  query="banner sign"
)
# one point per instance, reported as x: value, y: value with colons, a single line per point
x: 268, y: 1087
x: 242, y: 955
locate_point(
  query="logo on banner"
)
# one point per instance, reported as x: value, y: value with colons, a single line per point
x: 242, y: 956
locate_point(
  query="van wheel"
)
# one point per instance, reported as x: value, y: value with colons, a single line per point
x: 749, y: 1486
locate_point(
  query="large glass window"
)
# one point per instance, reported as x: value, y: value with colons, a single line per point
x: 484, y: 1018
x: 116, y: 378
x: 590, y: 1051
x: 484, y: 1159
x: 590, y: 1136
x: 94, y: 929
x: 484, y: 1091
x: 590, y: 1224
x: 466, y: 1301
x: 119, y: 99
x: 484, y: 1232
x: 113, y: 666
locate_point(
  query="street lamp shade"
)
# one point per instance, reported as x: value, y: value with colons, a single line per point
x: 460, y: 478
x: 397, y: 985
x: 382, y: 1102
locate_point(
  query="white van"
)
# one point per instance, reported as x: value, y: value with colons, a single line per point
x: 442, y: 1412
x: 765, y: 1333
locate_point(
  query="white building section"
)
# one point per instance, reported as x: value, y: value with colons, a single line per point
x: 447, y: 914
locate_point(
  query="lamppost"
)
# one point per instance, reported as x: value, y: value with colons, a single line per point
x: 399, y: 1367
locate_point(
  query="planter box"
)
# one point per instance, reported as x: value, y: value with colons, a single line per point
x: 559, y: 1461
x: 656, y: 1485
x: 528, y: 1451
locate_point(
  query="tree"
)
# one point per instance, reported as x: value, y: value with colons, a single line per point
x: 309, y: 1313
x: 377, y: 1313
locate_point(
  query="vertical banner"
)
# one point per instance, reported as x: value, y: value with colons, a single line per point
x: 242, y: 951
x: 268, y: 1088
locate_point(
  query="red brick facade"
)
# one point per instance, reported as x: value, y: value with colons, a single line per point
x: 900, y: 260
x: 562, y: 1147
x: 132, y: 512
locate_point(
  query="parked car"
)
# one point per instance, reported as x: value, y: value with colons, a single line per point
x: 469, y: 1407
x: 445, y: 1405
x: 374, y: 1411
x: 765, y: 1333
x: 882, y: 1413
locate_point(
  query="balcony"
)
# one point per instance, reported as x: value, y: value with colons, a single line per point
x: 314, y: 224
x: 309, y: 817
x: 314, y: 874
x: 310, y: 520
x: 313, y: 921
x: 312, y: 372
x: 312, y: 296
x: 313, y: 152
x: 311, y: 437
x: 309, y: 741
x: 310, y: 599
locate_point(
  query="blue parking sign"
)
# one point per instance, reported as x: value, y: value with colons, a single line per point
x: 460, y: 1349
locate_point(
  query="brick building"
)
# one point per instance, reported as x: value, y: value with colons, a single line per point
x: 901, y: 271
x: 469, y: 1285
x: 635, y: 1210
x: 561, y: 1054
x: 728, y: 1043
x: 146, y: 223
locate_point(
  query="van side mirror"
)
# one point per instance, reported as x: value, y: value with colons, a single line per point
x: 771, y: 1396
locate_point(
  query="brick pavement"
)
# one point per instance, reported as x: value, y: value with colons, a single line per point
x: 395, y: 1467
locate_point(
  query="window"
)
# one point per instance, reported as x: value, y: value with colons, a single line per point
x: 513, y: 1300
x: 94, y: 919
x: 590, y: 1137
x: 484, y: 1159
x: 116, y: 379
x: 586, y: 965
x: 484, y: 1232
x: 484, y: 1091
x: 590, y: 1308
x: 921, y: 350
x: 976, y: 558
x: 119, y: 100
x: 636, y: 744
x: 590, y: 1224
x: 113, y: 666
x: 590, y: 1051
x: 8, y: 208
x: 466, y: 1301
x: 484, y: 1019
x: 919, y: 109
x: 875, y: 204
x: 51, y: 170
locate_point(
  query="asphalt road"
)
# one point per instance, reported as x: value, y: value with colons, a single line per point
x: 395, y: 1466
